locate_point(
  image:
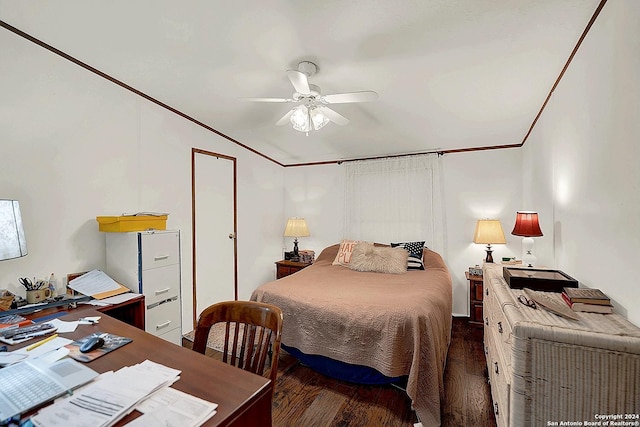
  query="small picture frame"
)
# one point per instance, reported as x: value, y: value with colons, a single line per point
x: 475, y: 271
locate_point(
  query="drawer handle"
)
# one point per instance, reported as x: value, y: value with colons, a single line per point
x: 495, y: 405
x: 163, y: 325
x: 486, y: 321
x: 160, y: 257
x: 162, y: 291
x: 487, y: 292
x: 496, y: 367
x: 500, y: 327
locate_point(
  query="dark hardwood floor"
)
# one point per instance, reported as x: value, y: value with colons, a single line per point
x: 306, y: 398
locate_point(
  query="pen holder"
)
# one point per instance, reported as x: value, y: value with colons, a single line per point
x: 38, y: 295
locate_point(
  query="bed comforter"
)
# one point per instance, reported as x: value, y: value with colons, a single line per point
x: 398, y: 324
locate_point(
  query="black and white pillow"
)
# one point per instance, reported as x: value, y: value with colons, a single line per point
x: 414, y: 261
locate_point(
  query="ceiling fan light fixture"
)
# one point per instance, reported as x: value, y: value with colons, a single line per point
x: 300, y: 119
x: 318, y: 119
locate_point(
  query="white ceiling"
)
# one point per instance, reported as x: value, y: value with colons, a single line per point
x: 450, y: 74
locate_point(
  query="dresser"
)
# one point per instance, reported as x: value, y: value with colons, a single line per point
x: 545, y: 369
x: 148, y: 262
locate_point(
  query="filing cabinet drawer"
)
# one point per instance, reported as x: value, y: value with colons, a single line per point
x: 159, y: 250
x: 160, y: 284
x: 163, y: 317
x: 173, y: 336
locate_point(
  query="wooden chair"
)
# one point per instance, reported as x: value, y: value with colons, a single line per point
x: 252, y: 331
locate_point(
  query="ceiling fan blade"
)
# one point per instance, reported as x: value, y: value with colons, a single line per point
x: 344, y: 98
x: 335, y: 117
x: 285, y: 119
x: 267, y: 99
x: 299, y: 81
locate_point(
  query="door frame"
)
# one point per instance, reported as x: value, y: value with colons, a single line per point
x: 195, y: 151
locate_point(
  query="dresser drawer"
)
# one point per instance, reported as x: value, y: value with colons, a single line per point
x: 163, y: 317
x: 160, y: 284
x: 499, y: 379
x: 159, y: 250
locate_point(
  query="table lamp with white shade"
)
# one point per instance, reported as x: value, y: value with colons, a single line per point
x: 296, y: 227
x: 489, y: 232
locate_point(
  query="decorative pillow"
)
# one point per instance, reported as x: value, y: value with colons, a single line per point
x: 344, y: 252
x: 379, y: 259
x: 414, y: 262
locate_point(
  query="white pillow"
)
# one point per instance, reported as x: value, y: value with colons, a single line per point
x: 343, y: 257
x: 379, y: 259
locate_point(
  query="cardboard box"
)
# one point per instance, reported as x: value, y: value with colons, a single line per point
x: 123, y: 224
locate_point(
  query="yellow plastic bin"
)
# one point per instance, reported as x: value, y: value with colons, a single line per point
x: 122, y: 224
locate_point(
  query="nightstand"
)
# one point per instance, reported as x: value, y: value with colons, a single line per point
x: 285, y: 268
x: 475, y: 298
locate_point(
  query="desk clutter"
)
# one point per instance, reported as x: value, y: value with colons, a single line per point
x: 103, y: 399
x: 144, y: 386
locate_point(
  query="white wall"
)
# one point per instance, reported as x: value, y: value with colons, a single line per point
x: 581, y: 161
x: 74, y: 146
x: 479, y: 185
x: 317, y: 194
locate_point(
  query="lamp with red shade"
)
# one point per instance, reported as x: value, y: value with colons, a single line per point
x: 528, y: 227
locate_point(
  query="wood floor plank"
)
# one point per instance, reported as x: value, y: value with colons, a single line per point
x: 324, y: 409
x: 454, y: 409
x: 478, y: 393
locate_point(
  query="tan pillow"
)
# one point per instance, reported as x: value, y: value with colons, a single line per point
x: 343, y: 257
x: 379, y: 259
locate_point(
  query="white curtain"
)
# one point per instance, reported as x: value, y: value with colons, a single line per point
x: 395, y: 200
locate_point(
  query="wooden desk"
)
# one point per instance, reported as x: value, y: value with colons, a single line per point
x: 244, y: 398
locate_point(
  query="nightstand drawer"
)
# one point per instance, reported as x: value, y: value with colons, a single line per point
x: 476, y: 290
x: 286, y: 268
x: 476, y: 312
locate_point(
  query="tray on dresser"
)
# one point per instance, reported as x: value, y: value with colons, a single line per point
x: 538, y: 279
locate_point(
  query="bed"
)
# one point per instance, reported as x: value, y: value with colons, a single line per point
x: 396, y: 325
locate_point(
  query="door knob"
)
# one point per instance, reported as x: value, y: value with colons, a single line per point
x: 232, y: 236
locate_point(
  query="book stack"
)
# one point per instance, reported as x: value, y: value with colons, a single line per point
x: 307, y: 256
x: 588, y: 300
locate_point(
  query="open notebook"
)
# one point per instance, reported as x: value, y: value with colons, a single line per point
x: 28, y: 384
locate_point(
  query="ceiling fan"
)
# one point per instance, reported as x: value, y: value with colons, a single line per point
x: 313, y: 113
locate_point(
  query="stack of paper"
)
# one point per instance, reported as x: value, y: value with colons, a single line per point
x: 97, y: 284
x: 109, y: 398
x: 173, y: 408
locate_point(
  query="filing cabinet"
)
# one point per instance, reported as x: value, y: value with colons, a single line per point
x: 148, y: 262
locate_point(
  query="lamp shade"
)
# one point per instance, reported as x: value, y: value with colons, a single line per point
x: 489, y: 231
x: 296, y: 227
x: 12, y: 241
x: 527, y: 224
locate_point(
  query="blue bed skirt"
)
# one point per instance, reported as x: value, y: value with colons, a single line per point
x: 342, y: 371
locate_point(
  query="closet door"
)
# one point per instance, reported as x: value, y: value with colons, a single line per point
x: 214, y: 229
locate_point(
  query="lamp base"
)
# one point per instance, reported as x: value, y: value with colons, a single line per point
x: 296, y: 254
x: 528, y: 258
x: 489, y: 256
